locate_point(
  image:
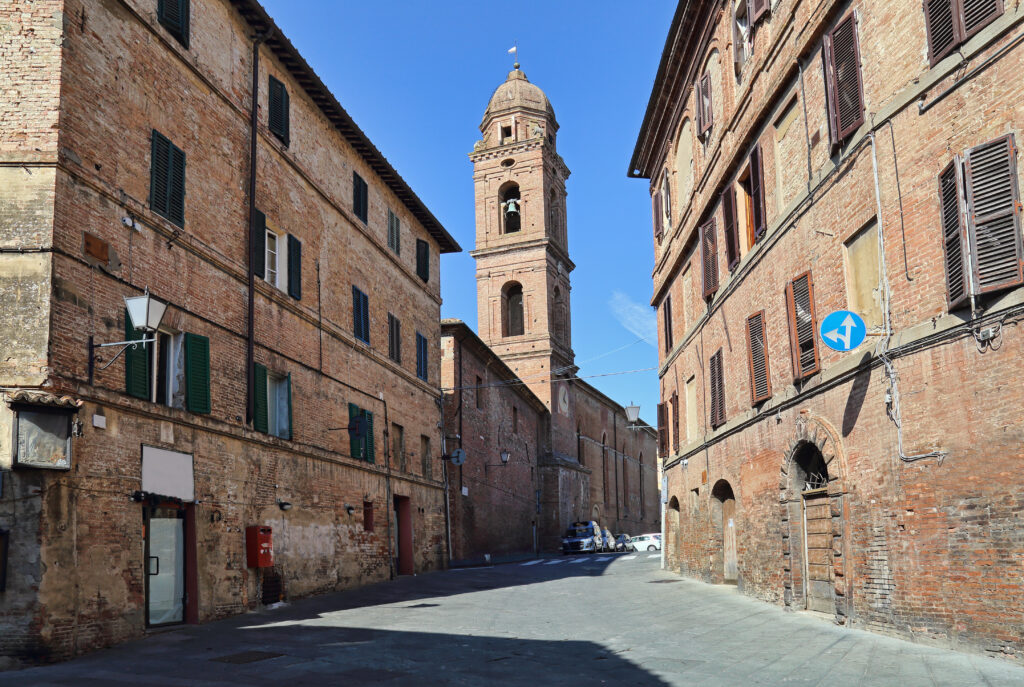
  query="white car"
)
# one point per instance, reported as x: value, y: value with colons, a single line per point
x: 650, y: 542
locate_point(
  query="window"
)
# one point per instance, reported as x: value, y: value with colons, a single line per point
x: 742, y: 35
x: 843, y: 86
x: 174, y: 371
x: 425, y: 458
x: 663, y: 429
x: 278, y: 257
x: 659, y: 219
x: 394, y: 233
x: 981, y: 224
x: 709, y: 257
x: 802, y: 326
x: 506, y: 134
x: 717, y: 387
x: 360, y: 202
x: 421, y: 356
x: 862, y: 275
x: 705, y: 110
x: 478, y: 393
x: 398, y: 446
x: 361, y: 445
x: 743, y: 210
x: 272, y: 255
x: 169, y: 372
x: 41, y: 438
x: 368, y: 516
x: 423, y: 260
x: 173, y: 15
x: 273, y: 407
x: 167, y: 179
x: 277, y: 112
x: 951, y: 22
x: 666, y: 312
x: 394, y: 338
x: 512, y: 302
x: 729, y: 223
x: 757, y: 359
x: 666, y: 194
x: 360, y: 315
x: 692, y: 429
x: 675, y: 422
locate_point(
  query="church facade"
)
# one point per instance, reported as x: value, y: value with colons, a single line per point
x: 589, y: 462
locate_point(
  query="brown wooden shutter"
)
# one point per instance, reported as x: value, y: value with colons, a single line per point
x: 757, y: 341
x: 698, y: 106
x: 709, y: 257
x: 977, y: 14
x: 708, y: 111
x: 954, y: 233
x: 993, y: 212
x: 942, y: 20
x: 732, y: 236
x: 675, y: 422
x: 802, y: 326
x: 756, y: 9
x: 757, y: 193
x: 662, y: 429
x: 666, y: 311
x: 659, y: 225
x: 843, y: 78
x: 716, y: 373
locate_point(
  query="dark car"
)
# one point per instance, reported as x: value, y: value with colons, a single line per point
x: 622, y: 543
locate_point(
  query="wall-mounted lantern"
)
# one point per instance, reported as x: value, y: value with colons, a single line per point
x: 145, y: 313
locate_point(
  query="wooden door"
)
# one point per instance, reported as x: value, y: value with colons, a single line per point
x: 819, y: 590
x: 729, y: 540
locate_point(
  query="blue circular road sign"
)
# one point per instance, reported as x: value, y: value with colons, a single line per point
x: 843, y: 330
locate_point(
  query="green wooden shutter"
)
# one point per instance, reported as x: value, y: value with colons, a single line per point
x: 423, y: 259
x: 159, y: 173
x: 259, y: 420
x: 259, y: 245
x: 291, y: 424
x: 294, y: 268
x: 197, y: 373
x: 136, y: 362
x: 277, y: 116
x: 176, y: 193
x: 355, y: 448
x: 369, y: 436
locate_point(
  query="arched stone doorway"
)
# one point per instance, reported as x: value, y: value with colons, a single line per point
x: 810, y: 477
x: 723, y: 517
x: 670, y: 540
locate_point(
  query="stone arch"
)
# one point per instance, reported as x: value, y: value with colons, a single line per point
x: 725, y: 559
x: 513, y: 322
x: 509, y: 207
x: 812, y: 512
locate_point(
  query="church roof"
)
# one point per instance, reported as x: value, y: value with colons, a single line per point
x: 517, y: 92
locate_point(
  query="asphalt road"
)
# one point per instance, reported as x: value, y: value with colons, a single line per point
x: 588, y: 620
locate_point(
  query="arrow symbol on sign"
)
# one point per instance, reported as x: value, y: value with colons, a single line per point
x: 848, y: 326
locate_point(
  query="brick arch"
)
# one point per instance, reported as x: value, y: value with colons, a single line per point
x: 816, y: 432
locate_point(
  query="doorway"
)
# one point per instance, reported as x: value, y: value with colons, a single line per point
x: 812, y: 476
x: 724, y: 502
x: 164, y: 556
x: 403, y: 531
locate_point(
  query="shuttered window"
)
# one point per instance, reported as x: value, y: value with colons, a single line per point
x: 394, y: 233
x: 659, y: 220
x: 421, y: 356
x: 394, y: 338
x: 757, y: 351
x: 954, y: 234
x: 705, y: 110
x: 167, y: 179
x: 757, y: 9
x: 730, y: 224
x: 360, y: 315
x: 757, y: 193
x: 951, y: 22
x: 662, y: 430
x: 278, y: 110
x: 197, y: 373
x: 709, y: 257
x: 360, y: 200
x: 666, y: 194
x: 802, y: 326
x: 137, y: 362
x: 716, y: 374
x: 173, y: 15
x: 294, y: 267
x: 361, y: 447
x: 666, y: 311
x: 423, y: 260
x: 259, y: 245
x: 675, y: 422
x: 843, y: 83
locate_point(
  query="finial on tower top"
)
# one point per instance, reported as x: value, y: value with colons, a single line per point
x: 514, y: 50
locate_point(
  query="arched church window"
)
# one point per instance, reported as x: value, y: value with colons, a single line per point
x: 510, y: 207
x: 512, y: 306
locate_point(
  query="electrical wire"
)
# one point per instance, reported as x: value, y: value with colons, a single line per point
x: 523, y: 381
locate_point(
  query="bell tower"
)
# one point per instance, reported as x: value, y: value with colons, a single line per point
x: 522, y: 253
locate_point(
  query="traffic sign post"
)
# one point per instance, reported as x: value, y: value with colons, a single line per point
x: 843, y: 330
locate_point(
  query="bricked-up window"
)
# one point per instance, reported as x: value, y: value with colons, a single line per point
x: 368, y: 516
x: 394, y: 338
x: 802, y: 326
x: 361, y: 445
x: 360, y: 197
x: 394, y: 233
x: 423, y: 260
x: 663, y: 429
x: 425, y: 457
x: 360, y: 315
x: 167, y: 179
x: 757, y: 359
x: 951, y: 22
x: 705, y: 110
x: 716, y: 375
x: 675, y: 422
x: 421, y: 356
x: 709, y: 257
x: 659, y: 219
x: 981, y: 221
x: 731, y: 227
x: 273, y: 403
x: 173, y: 15
x: 278, y: 117
x: 666, y: 312
x: 844, y: 89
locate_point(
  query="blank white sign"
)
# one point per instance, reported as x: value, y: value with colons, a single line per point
x: 167, y: 473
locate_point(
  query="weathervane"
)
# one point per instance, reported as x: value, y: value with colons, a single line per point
x: 514, y: 50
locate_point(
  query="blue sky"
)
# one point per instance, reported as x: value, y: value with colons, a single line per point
x: 416, y: 78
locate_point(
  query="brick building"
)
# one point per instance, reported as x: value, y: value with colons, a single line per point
x: 809, y: 158
x: 588, y: 462
x: 301, y: 279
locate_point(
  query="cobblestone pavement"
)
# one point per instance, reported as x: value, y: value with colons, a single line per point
x: 606, y: 619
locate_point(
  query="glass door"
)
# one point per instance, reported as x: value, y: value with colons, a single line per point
x: 165, y: 565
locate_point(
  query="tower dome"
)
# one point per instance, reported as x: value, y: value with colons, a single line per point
x: 517, y: 93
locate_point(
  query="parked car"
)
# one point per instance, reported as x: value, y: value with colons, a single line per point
x: 582, y: 537
x: 622, y: 542
x: 607, y: 540
x: 650, y: 542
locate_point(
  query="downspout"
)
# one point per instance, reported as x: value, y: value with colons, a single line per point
x: 250, y: 344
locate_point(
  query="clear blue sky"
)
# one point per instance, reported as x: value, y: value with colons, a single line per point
x: 416, y: 78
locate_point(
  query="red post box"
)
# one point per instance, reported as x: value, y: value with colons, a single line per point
x: 259, y: 546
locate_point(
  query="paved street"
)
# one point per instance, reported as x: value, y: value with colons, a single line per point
x: 606, y: 619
